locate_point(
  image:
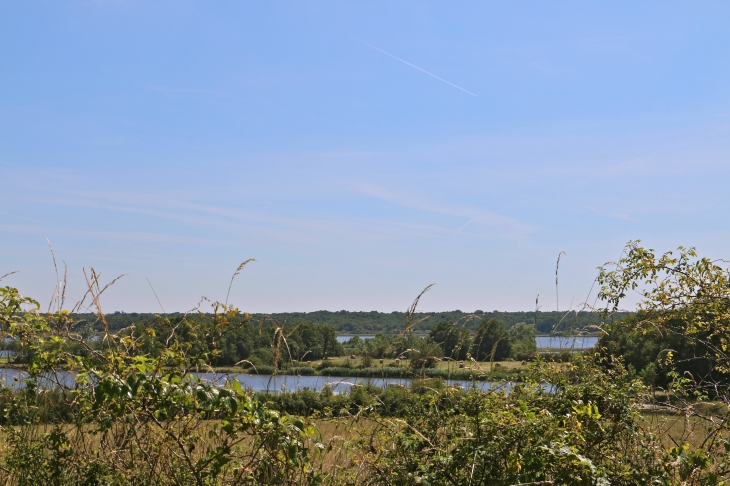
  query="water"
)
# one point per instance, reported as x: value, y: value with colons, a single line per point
x: 566, y: 342
x: 347, y: 337
x: 338, y: 384
x: 262, y: 383
x: 14, y: 379
x: 543, y: 342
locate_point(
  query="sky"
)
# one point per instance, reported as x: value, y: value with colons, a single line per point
x: 358, y: 150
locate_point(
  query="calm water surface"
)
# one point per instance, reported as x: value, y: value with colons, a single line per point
x: 338, y: 384
x: 14, y: 378
x: 260, y: 383
x: 346, y: 338
x: 543, y: 342
x: 567, y: 342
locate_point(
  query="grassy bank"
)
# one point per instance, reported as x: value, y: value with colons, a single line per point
x: 390, y: 368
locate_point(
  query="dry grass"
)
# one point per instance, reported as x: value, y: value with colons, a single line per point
x: 336, y: 434
x: 675, y: 429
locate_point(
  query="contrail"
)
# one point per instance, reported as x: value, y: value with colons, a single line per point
x: 468, y: 223
x: 411, y: 65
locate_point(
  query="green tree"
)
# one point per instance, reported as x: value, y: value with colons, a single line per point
x: 491, y: 342
x: 683, y: 315
x: 523, y: 338
x: 454, y: 342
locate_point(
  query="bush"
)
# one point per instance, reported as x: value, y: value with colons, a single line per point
x: 424, y: 363
x: 325, y: 364
x: 261, y: 370
x: 261, y: 356
x: 302, y: 370
x: 145, y: 417
x: 584, y: 431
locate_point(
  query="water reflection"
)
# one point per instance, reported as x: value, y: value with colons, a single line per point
x: 345, y: 338
x: 543, y: 342
x: 338, y: 384
x: 566, y: 342
x: 14, y: 378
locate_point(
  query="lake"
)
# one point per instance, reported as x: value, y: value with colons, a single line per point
x: 338, y: 384
x: 566, y: 342
x: 343, y: 339
x: 543, y: 342
x: 268, y: 383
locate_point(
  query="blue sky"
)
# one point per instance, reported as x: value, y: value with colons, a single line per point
x: 173, y: 140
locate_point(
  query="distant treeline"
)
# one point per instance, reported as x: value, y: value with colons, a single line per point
x: 346, y: 322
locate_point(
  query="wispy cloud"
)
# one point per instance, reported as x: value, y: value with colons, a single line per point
x: 43, y: 227
x: 119, y: 237
x: 611, y: 214
x: 503, y: 226
x: 169, y: 90
x: 416, y: 67
x: 222, y: 217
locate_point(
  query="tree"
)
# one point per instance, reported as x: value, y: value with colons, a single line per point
x: 454, y: 342
x: 684, y: 307
x: 523, y: 338
x: 491, y: 342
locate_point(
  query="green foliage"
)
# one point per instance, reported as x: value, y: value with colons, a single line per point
x: 239, y: 339
x: 127, y: 409
x: 491, y: 342
x: 523, y: 337
x: 260, y: 370
x: 455, y: 342
x: 312, y: 341
x: 683, y: 323
x: 410, y: 372
x: 583, y: 429
x: 644, y: 347
x: 301, y: 370
x: 130, y: 412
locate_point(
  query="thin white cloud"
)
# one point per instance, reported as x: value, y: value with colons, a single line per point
x: 416, y: 67
x: 501, y: 226
x: 611, y: 214
x: 223, y: 217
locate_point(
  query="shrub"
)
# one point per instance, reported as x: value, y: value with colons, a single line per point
x: 582, y: 431
x: 302, y: 370
x: 325, y: 364
x: 424, y: 363
x: 261, y: 370
x: 119, y: 416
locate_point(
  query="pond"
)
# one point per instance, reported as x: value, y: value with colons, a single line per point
x: 345, y: 338
x: 265, y: 383
x: 543, y: 342
x: 566, y: 342
x: 13, y: 378
x: 338, y: 384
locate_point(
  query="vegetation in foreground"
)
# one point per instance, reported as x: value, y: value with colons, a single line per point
x: 134, y: 416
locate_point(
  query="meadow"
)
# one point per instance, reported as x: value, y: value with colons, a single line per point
x: 648, y: 405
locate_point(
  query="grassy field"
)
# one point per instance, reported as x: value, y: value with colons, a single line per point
x: 358, y: 362
x: 673, y: 431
